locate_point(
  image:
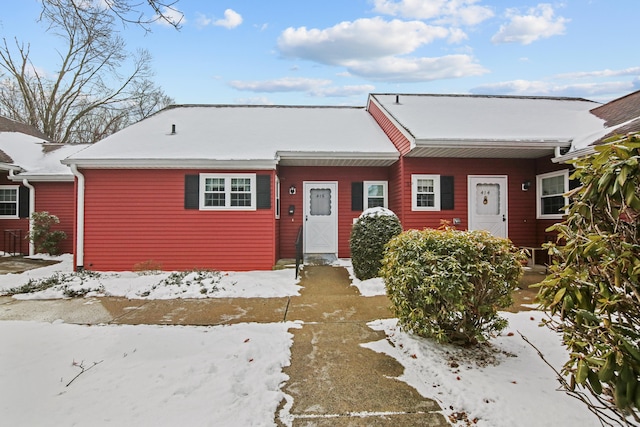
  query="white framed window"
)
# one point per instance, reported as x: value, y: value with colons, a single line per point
x: 227, y: 191
x: 8, y: 201
x: 550, y: 191
x: 375, y: 194
x: 425, y: 192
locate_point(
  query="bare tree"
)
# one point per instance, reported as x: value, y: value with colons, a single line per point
x: 129, y: 11
x: 98, y: 88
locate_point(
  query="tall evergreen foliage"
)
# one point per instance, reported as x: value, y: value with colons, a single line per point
x: 593, y: 289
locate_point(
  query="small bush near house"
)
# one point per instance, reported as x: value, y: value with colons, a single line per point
x: 369, y: 235
x: 72, y: 285
x: 593, y: 288
x: 449, y: 285
x: 43, y: 238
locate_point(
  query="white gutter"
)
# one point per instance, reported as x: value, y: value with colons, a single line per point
x: 32, y: 209
x: 79, y: 219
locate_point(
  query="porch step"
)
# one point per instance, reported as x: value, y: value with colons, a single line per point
x: 319, y: 259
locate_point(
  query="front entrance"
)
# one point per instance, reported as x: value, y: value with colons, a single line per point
x: 488, y: 204
x: 320, y: 218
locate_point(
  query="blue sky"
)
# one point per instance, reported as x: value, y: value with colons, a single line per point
x: 335, y: 52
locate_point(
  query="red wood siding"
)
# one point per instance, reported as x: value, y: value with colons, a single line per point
x: 522, y: 204
x: 289, y: 225
x: 57, y: 198
x: 397, y: 138
x: 133, y: 216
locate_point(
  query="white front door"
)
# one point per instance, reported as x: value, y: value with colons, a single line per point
x: 321, y: 217
x: 488, y: 204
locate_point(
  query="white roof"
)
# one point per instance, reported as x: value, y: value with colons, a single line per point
x: 500, y: 126
x: 32, y: 160
x: 252, y: 136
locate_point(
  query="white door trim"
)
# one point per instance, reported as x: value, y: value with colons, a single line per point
x: 332, y: 223
x: 504, y: 193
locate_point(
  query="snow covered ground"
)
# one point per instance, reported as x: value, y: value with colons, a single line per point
x: 231, y: 375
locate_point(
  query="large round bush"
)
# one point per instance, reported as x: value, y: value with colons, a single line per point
x: 369, y: 235
x: 448, y: 284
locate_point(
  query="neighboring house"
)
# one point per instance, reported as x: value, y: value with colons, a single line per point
x: 33, y: 179
x: 228, y: 187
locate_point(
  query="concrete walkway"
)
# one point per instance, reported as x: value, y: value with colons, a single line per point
x: 334, y: 381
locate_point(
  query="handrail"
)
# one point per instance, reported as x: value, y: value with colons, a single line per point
x: 299, y: 254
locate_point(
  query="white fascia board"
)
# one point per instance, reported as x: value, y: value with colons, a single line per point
x: 494, y: 143
x: 171, y: 164
x: 583, y: 152
x: 403, y: 130
x: 328, y: 155
x: 43, y: 177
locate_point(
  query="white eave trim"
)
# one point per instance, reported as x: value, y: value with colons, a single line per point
x: 522, y: 144
x: 587, y: 151
x: 43, y: 178
x: 171, y: 164
x: 332, y: 155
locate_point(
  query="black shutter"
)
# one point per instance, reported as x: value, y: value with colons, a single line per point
x: 23, y: 202
x: 263, y: 191
x: 446, y: 193
x: 192, y: 191
x: 357, y: 196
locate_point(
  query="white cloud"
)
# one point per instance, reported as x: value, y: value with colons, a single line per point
x: 632, y: 71
x: 461, y: 12
x: 343, y: 91
x: 456, y: 35
x: 312, y: 87
x: 171, y: 17
x: 286, y: 84
x: 545, y: 88
x: 257, y: 100
x: 539, y: 22
x: 231, y: 20
x: 417, y: 69
x: 361, y: 39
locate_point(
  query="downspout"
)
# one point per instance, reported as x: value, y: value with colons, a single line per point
x: 32, y: 209
x: 79, y: 219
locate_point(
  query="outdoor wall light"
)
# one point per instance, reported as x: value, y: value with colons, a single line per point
x: 292, y: 189
x: 526, y: 185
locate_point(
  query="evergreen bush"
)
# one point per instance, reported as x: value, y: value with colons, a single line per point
x: 369, y: 235
x: 43, y: 238
x: 593, y: 289
x: 449, y: 285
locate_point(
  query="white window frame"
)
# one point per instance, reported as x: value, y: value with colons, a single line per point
x: 414, y: 192
x: 365, y: 195
x: 227, y: 177
x: 539, y: 196
x: 17, y: 202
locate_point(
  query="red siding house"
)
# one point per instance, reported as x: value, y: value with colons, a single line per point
x: 33, y: 179
x: 230, y: 187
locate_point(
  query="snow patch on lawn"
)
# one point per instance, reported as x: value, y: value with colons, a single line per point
x: 144, y: 376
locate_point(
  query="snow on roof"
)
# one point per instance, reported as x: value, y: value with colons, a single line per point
x: 241, y: 133
x: 29, y: 155
x: 491, y: 118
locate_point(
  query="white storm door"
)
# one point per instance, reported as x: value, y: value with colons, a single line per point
x: 321, y: 217
x: 488, y: 204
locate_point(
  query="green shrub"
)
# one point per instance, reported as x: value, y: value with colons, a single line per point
x: 593, y: 288
x: 369, y: 235
x: 448, y: 284
x: 43, y: 239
